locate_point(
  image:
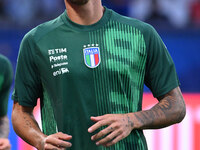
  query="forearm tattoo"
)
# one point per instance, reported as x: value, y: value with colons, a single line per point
x: 164, y: 113
x: 27, y: 122
x: 150, y: 118
x: 4, y: 127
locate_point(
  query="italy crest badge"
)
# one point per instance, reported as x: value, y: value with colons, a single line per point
x: 92, y: 56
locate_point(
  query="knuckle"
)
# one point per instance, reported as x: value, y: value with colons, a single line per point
x: 98, y: 123
x: 106, y: 115
x: 108, y: 138
x: 58, y: 143
x: 113, y: 142
x: 123, y: 135
x: 115, y: 118
x: 119, y: 132
x: 121, y: 129
x: 45, y: 146
x: 46, y: 139
x: 101, y: 123
x: 110, y: 143
x: 117, y: 126
x: 112, y: 119
x: 100, y: 134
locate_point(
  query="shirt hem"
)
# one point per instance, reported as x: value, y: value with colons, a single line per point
x: 165, y: 90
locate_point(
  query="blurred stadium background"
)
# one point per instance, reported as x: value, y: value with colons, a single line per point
x: 177, y: 22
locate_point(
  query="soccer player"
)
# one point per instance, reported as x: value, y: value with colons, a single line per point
x: 88, y: 67
x: 5, y: 84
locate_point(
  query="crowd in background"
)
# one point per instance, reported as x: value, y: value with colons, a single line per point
x: 177, y: 13
x: 23, y: 12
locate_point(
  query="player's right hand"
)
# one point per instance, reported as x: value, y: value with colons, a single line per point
x: 57, y: 141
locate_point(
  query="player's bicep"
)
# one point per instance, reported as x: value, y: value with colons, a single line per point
x: 27, y: 80
x: 160, y: 73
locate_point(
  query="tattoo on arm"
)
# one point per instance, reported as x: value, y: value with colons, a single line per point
x: 130, y: 123
x: 169, y: 110
x: 27, y: 122
x: 4, y: 127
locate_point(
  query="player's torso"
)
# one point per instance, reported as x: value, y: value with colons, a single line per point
x: 91, y: 73
x: 109, y: 59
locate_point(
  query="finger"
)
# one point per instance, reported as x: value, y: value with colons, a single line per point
x: 1, y: 147
x: 58, y: 142
x: 98, y: 125
x: 98, y: 118
x: 63, y: 136
x: 4, y: 146
x: 109, y: 138
x: 114, y: 141
x: 102, y: 133
x: 50, y: 147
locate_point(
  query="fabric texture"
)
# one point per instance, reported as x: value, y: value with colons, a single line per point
x: 81, y: 71
x: 6, y: 75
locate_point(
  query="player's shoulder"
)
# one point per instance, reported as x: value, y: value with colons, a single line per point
x: 143, y: 27
x: 5, y: 63
x: 4, y: 60
x: 44, y: 29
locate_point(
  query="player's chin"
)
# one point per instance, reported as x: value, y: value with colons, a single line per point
x: 79, y: 2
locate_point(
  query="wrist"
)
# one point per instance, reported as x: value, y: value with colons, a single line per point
x: 4, y: 127
x: 40, y: 144
x: 136, y: 123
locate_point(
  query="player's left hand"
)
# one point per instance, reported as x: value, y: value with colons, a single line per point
x: 119, y: 126
x: 4, y: 144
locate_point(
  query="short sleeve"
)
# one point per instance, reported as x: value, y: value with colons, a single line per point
x: 27, y: 80
x: 6, y: 76
x: 160, y: 75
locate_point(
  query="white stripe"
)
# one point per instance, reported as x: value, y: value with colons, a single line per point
x: 186, y: 130
x: 197, y: 114
x: 92, y: 60
x: 150, y: 137
x: 166, y: 138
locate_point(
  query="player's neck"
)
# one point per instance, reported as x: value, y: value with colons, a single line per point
x: 87, y: 14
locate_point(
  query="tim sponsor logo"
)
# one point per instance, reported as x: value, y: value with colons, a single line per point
x: 58, y: 60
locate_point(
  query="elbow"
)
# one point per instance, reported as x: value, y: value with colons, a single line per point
x: 13, y: 119
x: 181, y: 112
x: 15, y: 116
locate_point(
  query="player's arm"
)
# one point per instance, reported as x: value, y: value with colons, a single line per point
x: 27, y: 128
x: 4, y: 131
x: 170, y: 110
x: 4, y: 127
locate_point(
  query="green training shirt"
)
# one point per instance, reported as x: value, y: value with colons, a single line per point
x: 81, y: 71
x: 6, y: 75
